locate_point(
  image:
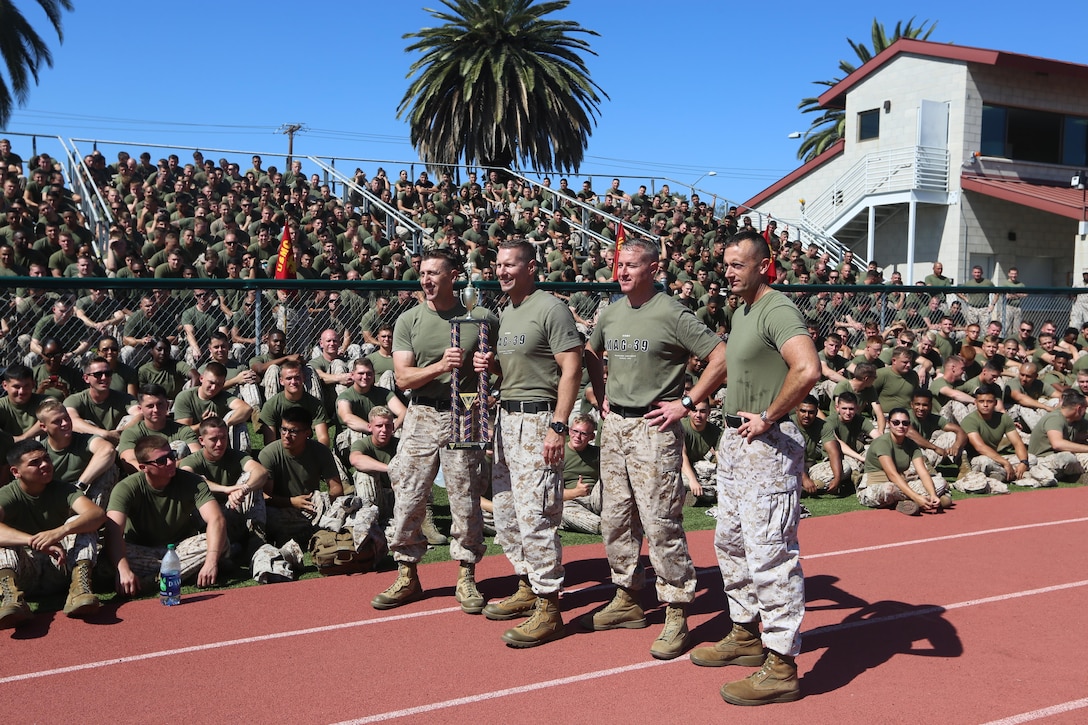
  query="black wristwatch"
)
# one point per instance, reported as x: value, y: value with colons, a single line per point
x: 687, y: 402
x: 559, y: 427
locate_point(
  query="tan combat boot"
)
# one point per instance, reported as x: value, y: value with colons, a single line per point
x: 472, y: 602
x: 13, y: 607
x: 404, y: 590
x: 742, y: 646
x: 81, y: 600
x: 623, y: 612
x: 673, y: 639
x: 430, y: 531
x: 518, y: 604
x: 545, y: 625
x: 775, y: 681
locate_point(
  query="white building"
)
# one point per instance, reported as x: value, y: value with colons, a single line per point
x: 952, y: 154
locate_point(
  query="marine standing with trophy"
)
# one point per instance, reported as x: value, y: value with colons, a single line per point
x: 423, y: 359
x: 537, y: 351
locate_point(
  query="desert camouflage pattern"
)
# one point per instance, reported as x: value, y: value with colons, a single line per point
x: 759, y: 507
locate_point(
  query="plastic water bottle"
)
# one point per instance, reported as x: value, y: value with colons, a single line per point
x: 170, y: 578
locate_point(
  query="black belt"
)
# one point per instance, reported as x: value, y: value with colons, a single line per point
x: 736, y: 421
x: 527, y: 406
x: 436, y: 403
x: 625, y: 412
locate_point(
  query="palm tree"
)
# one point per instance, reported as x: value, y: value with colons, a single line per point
x: 500, y: 82
x: 830, y: 125
x: 23, y: 51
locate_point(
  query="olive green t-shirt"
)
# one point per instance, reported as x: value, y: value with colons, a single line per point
x: 698, y: 443
x: 530, y: 336
x: 190, y: 406
x: 855, y: 433
x: 894, y: 390
x: 866, y: 397
x: 69, y: 464
x: 930, y: 425
x: 991, y: 431
x: 585, y: 463
x: 298, y: 475
x: 368, y: 447
x: 172, y: 431
x: 172, y: 377
x: 382, y: 364
x: 815, y: 436
x: 31, y: 514
x: 426, y: 333
x: 885, y: 446
x: 224, y: 472
x: 158, y: 518
x: 648, y: 349
x: 756, y: 368
x: 1039, y: 444
x: 108, y: 415
x: 272, y: 410
x: 362, y: 403
x: 17, y: 419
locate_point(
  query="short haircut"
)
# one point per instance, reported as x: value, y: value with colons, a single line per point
x: 18, y: 371
x: 759, y: 244
x: 811, y: 400
x: 48, y: 408
x: 447, y: 256
x: 922, y: 393
x: 94, y: 361
x: 584, y: 419
x: 1071, y: 398
x: 523, y: 247
x: 148, y: 443
x: 380, y: 411
x: 219, y: 370
x: 16, y: 452
x: 864, y: 370
x: 150, y: 389
x: 847, y: 397
x: 290, y: 365
x: 988, y: 389
x: 210, y: 424
x: 299, y: 415
x: 362, y: 362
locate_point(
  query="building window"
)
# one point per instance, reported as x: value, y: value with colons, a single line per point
x: 1023, y: 134
x: 869, y: 124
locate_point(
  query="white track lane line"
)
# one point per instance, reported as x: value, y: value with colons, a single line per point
x: 398, y: 617
x: 445, y: 704
x: 1040, y: 714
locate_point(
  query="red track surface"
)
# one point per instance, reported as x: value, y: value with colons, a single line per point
x: 942, y: 620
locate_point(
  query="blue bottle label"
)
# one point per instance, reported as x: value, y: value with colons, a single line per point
x: 170, y: 585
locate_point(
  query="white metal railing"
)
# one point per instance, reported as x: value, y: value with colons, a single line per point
x: 909, y: 168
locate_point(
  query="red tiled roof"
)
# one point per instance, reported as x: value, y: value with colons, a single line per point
x: 1061, y: 200
x: 835, y: 97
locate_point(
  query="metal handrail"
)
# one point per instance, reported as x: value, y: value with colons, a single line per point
x: 393, y: 214
x: 91, y: 210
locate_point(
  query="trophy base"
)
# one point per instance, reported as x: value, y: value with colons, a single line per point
x: 469, y: 445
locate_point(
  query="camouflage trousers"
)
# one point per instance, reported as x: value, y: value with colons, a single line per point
x: 1065, y: 463
x: 412, y: 471
x: 955, y: 411
x: 644, y: 495
x: 1038, y: 476
x: 369, y: 491
x: 759, y: 507
x: 876, y: 491
x: 942, y: 439
x: 38, y: 572
x: 146, y: 560
x: 528, y: 500
x: 583, y: 514
x: 100, y: 488
x: 821, y: 473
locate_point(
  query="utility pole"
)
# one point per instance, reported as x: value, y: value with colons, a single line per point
x: 291, y: 129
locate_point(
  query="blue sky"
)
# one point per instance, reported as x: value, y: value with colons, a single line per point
x: 694, y: 86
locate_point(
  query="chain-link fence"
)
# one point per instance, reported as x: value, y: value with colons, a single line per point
x: 74, y: 315
x: 53, y: 324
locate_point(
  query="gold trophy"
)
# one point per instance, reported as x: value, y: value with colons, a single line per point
x: 470, y: 426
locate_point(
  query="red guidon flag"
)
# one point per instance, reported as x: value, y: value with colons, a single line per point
x: 621, y: 237
x: 285, y: 261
